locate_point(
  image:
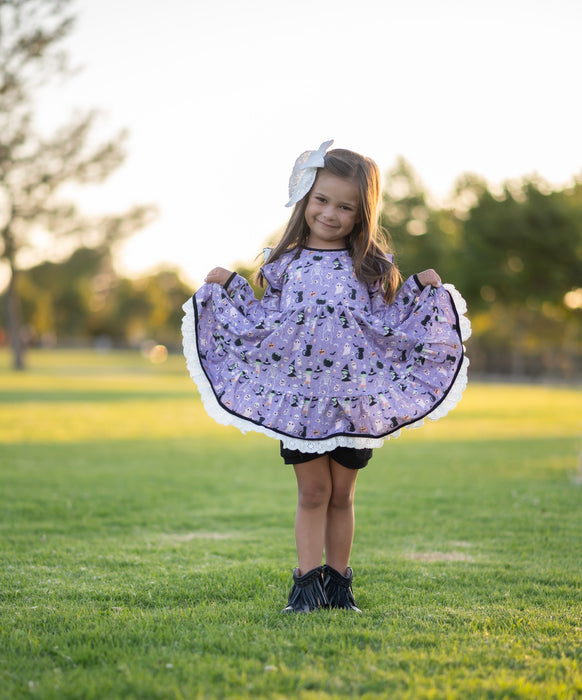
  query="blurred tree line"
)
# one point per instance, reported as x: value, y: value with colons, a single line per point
x: 84, y: 301
x: 515, y: 253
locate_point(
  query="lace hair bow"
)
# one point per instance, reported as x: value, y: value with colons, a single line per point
x: 305, y: 171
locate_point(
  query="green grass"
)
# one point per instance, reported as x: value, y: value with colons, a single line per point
x: 147, y: 553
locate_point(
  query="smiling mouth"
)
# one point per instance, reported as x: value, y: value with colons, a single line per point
x: 332, y: 226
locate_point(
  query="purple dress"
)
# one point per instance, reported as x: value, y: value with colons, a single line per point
x: 322, y: 361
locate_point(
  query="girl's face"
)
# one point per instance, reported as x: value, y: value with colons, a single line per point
x: 332, y: 211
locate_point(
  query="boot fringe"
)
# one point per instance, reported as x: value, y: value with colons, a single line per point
x: 338, y: 589
x: 307, y: 592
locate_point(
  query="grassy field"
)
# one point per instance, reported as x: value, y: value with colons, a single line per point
x: 147, y: 552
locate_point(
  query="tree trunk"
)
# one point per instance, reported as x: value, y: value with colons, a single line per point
x: 15, y: 321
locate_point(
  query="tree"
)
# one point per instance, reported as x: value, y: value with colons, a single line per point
x: 34, y: 169
x: 83, y: 300
x: 422, y: 235
x: 515, y: 253
x: 147, y: 308
x: 59, y: 299
x: 521, y: 258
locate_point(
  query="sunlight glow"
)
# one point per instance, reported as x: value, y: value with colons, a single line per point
x: 573, y: 299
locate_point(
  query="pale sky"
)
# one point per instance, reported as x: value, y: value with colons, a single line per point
x: 221, y: 96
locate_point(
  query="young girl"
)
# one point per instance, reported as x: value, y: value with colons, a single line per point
x: 332, y: 360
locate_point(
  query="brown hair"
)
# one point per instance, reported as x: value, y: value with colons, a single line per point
x: 368, y: 242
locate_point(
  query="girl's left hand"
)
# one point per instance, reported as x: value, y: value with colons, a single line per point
x: 429, y: 277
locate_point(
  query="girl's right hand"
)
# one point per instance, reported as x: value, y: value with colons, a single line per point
x: 218, y: 275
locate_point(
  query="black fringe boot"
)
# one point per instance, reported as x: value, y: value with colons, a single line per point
x: 338, y: 589
x: 307, y: 592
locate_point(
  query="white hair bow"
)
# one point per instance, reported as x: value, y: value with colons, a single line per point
x: 305, y: 171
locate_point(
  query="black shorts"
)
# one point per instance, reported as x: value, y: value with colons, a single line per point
x: 348, y: 457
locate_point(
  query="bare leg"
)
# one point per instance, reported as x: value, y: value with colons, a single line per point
x: 314, y: 487
x: 340, y: 521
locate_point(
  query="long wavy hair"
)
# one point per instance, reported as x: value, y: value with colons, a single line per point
x: 368, y: 243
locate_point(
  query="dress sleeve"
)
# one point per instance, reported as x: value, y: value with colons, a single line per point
x: 403, y: 304
x: 273, y: 274
x: 238, y: 294
x: 240, y: 297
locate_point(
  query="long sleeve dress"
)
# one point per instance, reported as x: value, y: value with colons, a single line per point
x: 322, y: 361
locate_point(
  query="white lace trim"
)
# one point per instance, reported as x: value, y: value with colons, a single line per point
x: 220, y: 415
